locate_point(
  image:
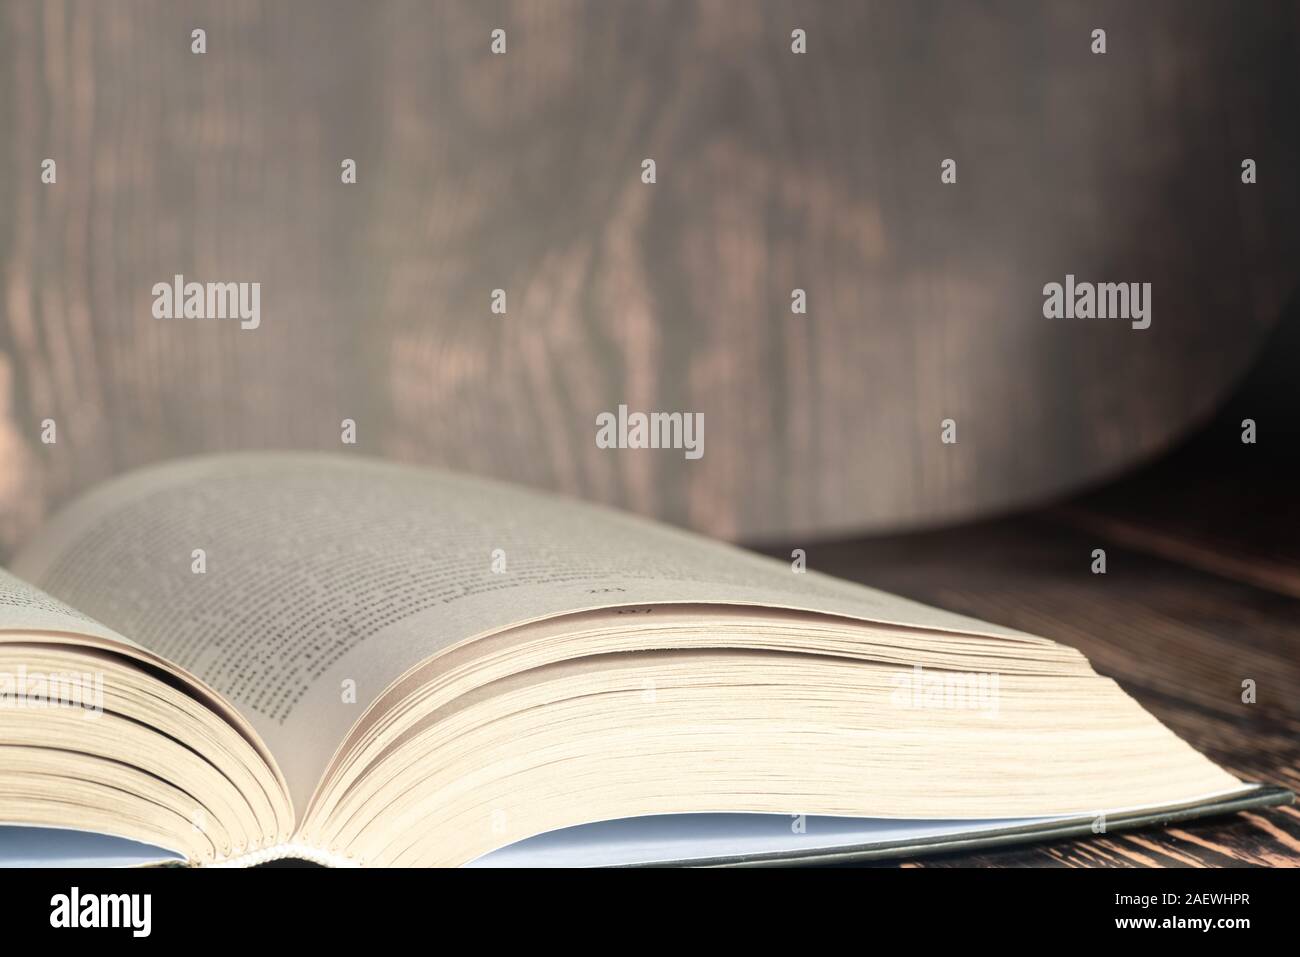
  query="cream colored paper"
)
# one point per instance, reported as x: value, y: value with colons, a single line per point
x: 323, y: 570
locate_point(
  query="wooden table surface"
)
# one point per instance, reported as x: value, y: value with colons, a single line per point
x: 1202, y: 590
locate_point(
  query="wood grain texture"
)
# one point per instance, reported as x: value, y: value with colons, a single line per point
x: 522, y: 172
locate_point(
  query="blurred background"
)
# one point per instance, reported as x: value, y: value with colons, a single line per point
x: 522, y: 172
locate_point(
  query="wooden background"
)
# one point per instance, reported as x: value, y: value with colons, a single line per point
x: 522, y: 172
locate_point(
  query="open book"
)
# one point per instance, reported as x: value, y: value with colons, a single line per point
x: 237, y: 658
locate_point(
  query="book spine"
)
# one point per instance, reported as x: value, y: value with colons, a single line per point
x: 287, y: 851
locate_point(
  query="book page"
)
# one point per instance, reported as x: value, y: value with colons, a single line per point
x: 301, y: 585
x: 24, y: 608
